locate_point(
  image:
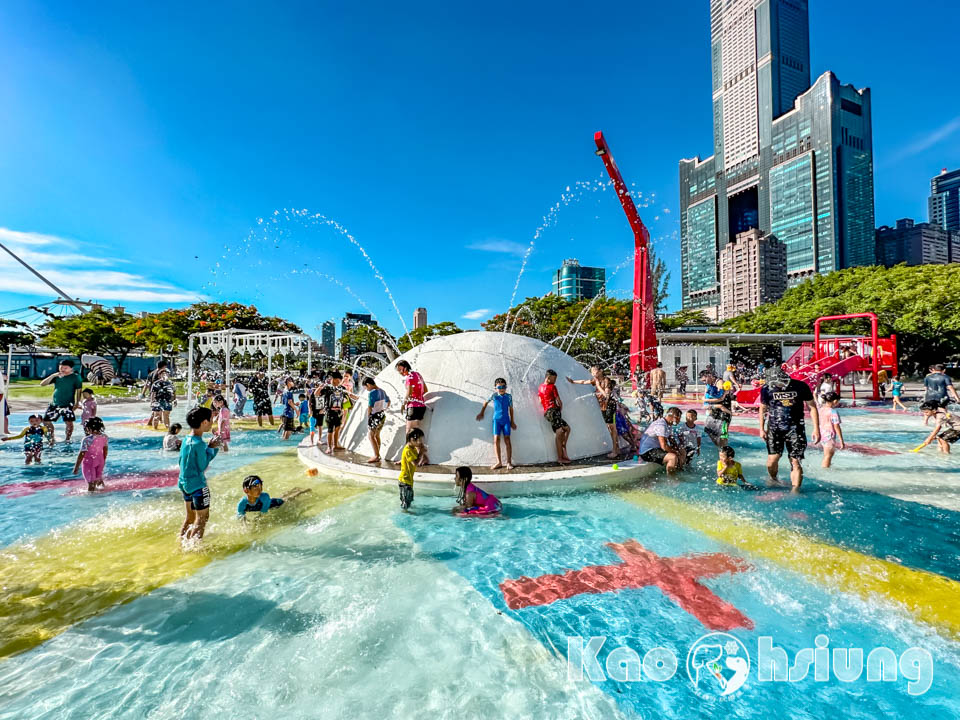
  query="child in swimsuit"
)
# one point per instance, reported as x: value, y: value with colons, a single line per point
x: 729, y: 472
x: 831, y: 436
x: 222, y: 416
x: 471, y: 500
x: 897, y: 391
x: 89, y: 408
x: 172, y: 440
x: 257, y: 501
x: 93, y: 454
x: 32, y: 440
x: 408, y: 467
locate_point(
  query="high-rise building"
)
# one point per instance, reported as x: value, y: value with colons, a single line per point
x: 917, y: 244
x: 574, y: 281
x: 328, y: 338
x: 753, y: 271
x: 944, y: 204
x: 419, y: 318
x: 348, y: 323
x: 789, y: 159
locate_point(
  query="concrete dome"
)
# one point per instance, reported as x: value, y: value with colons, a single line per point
x: 459, y: 371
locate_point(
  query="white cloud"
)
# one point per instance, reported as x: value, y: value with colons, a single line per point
x: 476, y: 314
x: 926, y: 141
x: 499, y: 246
x: 55, y: 258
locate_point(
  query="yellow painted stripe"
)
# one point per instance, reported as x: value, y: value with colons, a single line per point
x: 74, y: 573
x: 932, y: 598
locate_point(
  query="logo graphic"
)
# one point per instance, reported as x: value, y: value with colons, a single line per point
x: 718, y: 665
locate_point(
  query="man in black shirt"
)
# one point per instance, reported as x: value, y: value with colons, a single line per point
x: 781, y: 422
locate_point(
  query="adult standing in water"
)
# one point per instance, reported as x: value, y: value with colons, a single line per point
x: 414, y: 403
x: 782, y: 425
x: 939, y: 387
x: 66, y: 393
x: 261, y: 397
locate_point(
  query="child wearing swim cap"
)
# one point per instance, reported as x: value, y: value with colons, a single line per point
x: 471, y: 500
x: 257, y: 501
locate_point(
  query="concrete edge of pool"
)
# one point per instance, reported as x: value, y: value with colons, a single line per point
x: 505, y: 485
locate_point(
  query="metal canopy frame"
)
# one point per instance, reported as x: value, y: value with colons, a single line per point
x: 266, y: 341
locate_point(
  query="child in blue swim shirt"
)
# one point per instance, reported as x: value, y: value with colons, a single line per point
x: 257, y: 501
x: 502, y: 420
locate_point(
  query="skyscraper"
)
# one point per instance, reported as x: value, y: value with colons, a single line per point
x: 753, y: 271
x: 328, y: 338
x: 574, y: 281
x: 419, y: 318
x: 944, y: 203
x: 348, y: 323
x: 789, y: 159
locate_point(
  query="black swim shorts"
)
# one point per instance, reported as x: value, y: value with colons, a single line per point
x: 376, y: 420
x: 55, y: 413
x: 416, y: 413
x: 655, y: 455
x: 334, y: 419
x: 610, y: 414
x: 793, y: 437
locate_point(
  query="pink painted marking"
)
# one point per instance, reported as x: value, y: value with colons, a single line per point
x: 855, y: 447
x: 677, y: 577
x: 113, y: 483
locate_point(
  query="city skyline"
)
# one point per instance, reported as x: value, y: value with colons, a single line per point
x: 137, y: 160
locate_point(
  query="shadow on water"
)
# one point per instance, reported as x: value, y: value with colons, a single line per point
x: 203, y: 616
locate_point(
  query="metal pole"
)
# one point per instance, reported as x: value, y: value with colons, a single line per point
x: 227, y: 365
x: 190, y: 370
x: 57, y: 290
x: 309, y: 356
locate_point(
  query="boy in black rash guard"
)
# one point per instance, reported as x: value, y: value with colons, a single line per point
x: 781, y: 422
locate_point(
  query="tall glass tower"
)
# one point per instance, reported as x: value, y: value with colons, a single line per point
x: 944, y: 202
x: 789, y: 159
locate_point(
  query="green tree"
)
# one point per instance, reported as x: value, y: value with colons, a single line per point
x: 363, y: 339
x: 533, y: 317
x: 660, y: 277
x: 421, y: 335
x: 170, y: 330
x: 97, y: 332
x: 682, y: 318
x: 14, y: 332
x: 917, y: 303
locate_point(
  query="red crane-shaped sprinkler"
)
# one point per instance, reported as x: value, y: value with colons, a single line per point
x: 643, y: 335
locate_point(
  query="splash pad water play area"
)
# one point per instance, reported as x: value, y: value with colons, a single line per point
x: 656, y: 597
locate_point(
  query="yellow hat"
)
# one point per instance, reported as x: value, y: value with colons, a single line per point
x: 727, y: 385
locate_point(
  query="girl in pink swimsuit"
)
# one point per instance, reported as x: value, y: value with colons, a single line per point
x: 471, y: 500
x: 93, y: 454
x: 222, y: 415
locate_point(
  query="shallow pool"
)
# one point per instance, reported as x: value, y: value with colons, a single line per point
x: 344, y: 607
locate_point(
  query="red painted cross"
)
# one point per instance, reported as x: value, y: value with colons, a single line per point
x: 677, y: 577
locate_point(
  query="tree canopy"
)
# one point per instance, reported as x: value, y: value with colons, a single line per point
x: 169, y: 331
x: 597, y: 334
x: 917, y: 303
x: 14, y: 332
x: 95, y: 332
x: 113, y: 334
x: 422, y: 334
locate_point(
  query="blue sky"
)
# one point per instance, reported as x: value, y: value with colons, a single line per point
x: 141, y: 142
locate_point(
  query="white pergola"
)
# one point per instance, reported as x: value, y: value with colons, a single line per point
x: 247, y: 341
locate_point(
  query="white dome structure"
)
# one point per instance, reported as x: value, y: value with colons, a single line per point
x: 459, y: 371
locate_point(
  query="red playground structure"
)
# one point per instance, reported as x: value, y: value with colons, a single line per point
x: 839, y: 357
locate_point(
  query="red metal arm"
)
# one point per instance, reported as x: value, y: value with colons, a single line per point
x: 643, y: 337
